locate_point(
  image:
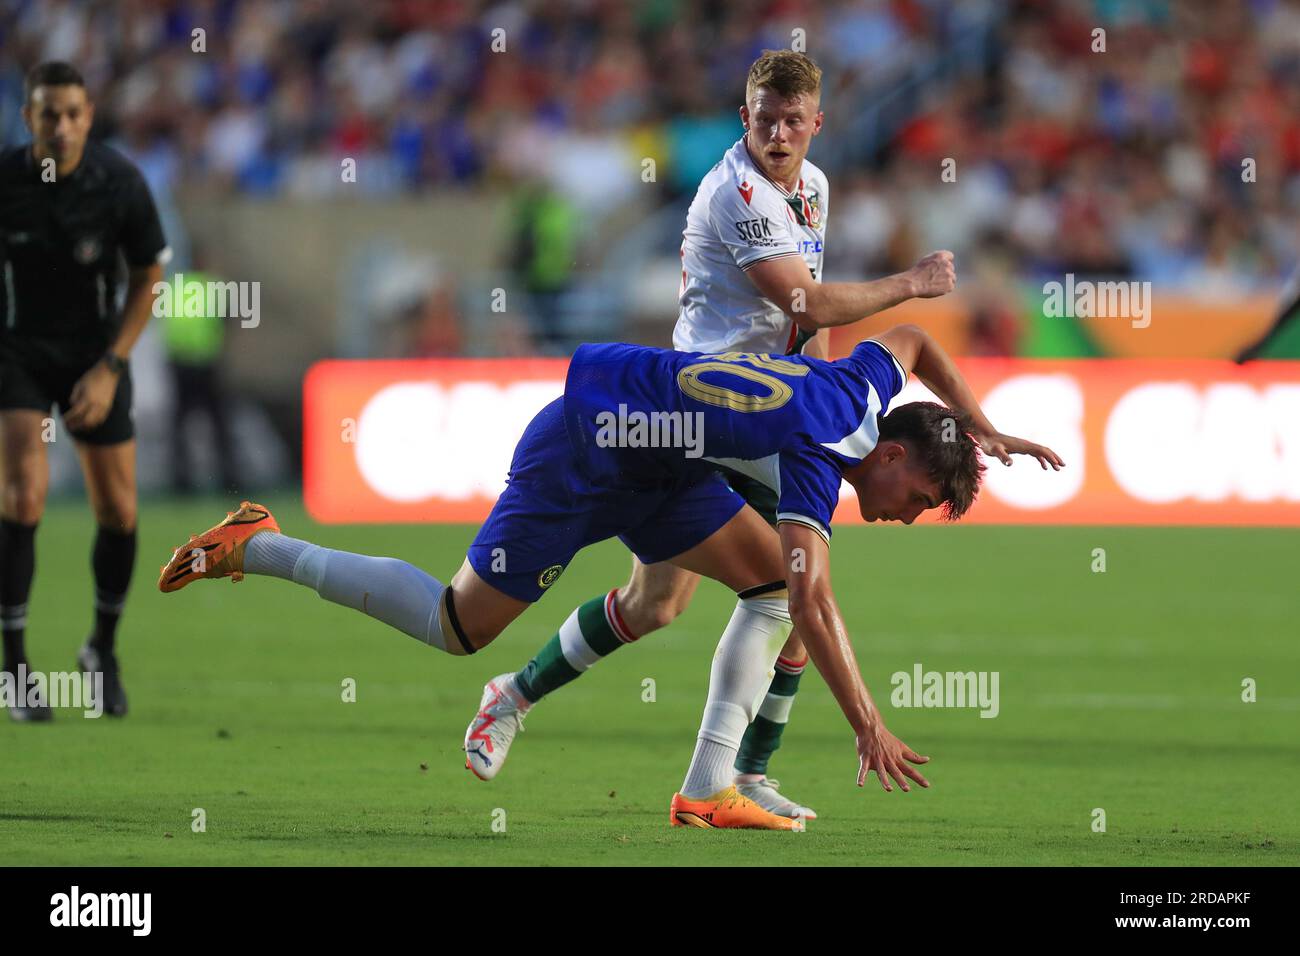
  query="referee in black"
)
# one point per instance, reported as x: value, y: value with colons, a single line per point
x: 76, y: 219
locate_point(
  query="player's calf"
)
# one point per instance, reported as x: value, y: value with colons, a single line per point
x: 653, y: 598
x: 742, y: 668
x: 458, y: 619
x: 763, y: 737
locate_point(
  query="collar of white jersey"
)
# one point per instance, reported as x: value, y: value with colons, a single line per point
x: 749, y: 161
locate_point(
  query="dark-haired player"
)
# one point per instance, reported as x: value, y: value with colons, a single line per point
x: 77, y: 224
x: 802, y: 425
x: 752, y: 255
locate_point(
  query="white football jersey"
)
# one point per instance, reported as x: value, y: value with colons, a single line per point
x: 740, y: 217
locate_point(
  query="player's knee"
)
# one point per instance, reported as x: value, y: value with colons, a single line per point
x: 645, y: 614
x: 118, y: 516
x: 773, y: 606
x: 24, y: 501
x: 661, y: 614
x: 471, y: 636
x: 480, y: 639
x: 646, y: 605
x: 463, y: 631
x: 467, y: 637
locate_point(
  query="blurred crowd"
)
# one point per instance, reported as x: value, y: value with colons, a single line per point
x: 1166, y: 147
x: 445, y: 92
x: 1174, y: 155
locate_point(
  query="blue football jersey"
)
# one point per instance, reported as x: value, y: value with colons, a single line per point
x: 639, y: 416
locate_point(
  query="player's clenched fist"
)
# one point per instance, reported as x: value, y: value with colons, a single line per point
x: 934, y: 275
x: 881, y: 751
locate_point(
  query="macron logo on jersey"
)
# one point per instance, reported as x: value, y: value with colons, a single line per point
x: 746, y: 191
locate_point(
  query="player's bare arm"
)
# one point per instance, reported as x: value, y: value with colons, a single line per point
x: 92, y: 396
x: 822, y: 305
x: 918, y: 352
x: 817, y: 617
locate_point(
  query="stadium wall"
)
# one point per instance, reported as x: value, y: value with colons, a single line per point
x: 323, y: 265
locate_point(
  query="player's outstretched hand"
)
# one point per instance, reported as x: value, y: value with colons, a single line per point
x: 881, y: 751
x: 934, y: 275
x: 1002, y: 447
x: 91, y: 398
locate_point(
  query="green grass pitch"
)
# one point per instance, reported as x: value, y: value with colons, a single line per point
x: 1119, y: 690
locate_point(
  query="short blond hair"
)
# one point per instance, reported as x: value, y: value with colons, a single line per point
x: 785, y: 73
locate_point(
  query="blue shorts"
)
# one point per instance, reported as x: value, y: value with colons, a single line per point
x: 551, y: 509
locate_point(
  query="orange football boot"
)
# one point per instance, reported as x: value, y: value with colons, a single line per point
x: 726, y: 809
x: 217, y: 552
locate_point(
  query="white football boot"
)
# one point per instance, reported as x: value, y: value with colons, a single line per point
x: 491, y: 732
x: 764, y: 793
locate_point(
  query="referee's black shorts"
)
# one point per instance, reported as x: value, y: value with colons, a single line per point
x: 40, y: 375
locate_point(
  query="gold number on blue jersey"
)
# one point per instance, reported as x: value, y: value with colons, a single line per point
x: 737, y: 364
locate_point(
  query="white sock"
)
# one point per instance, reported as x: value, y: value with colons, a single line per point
x: 274, y: 554
x: 742, y: 670
x: 388, y: 589
x: 710, y: 770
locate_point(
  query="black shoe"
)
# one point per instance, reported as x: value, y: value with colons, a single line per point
x: 91, y: 660
x: 33, y: 712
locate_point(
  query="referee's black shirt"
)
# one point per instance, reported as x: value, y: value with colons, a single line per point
x: 62, y: 245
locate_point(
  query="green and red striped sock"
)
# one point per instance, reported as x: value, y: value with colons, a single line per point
x: 593, y: 631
